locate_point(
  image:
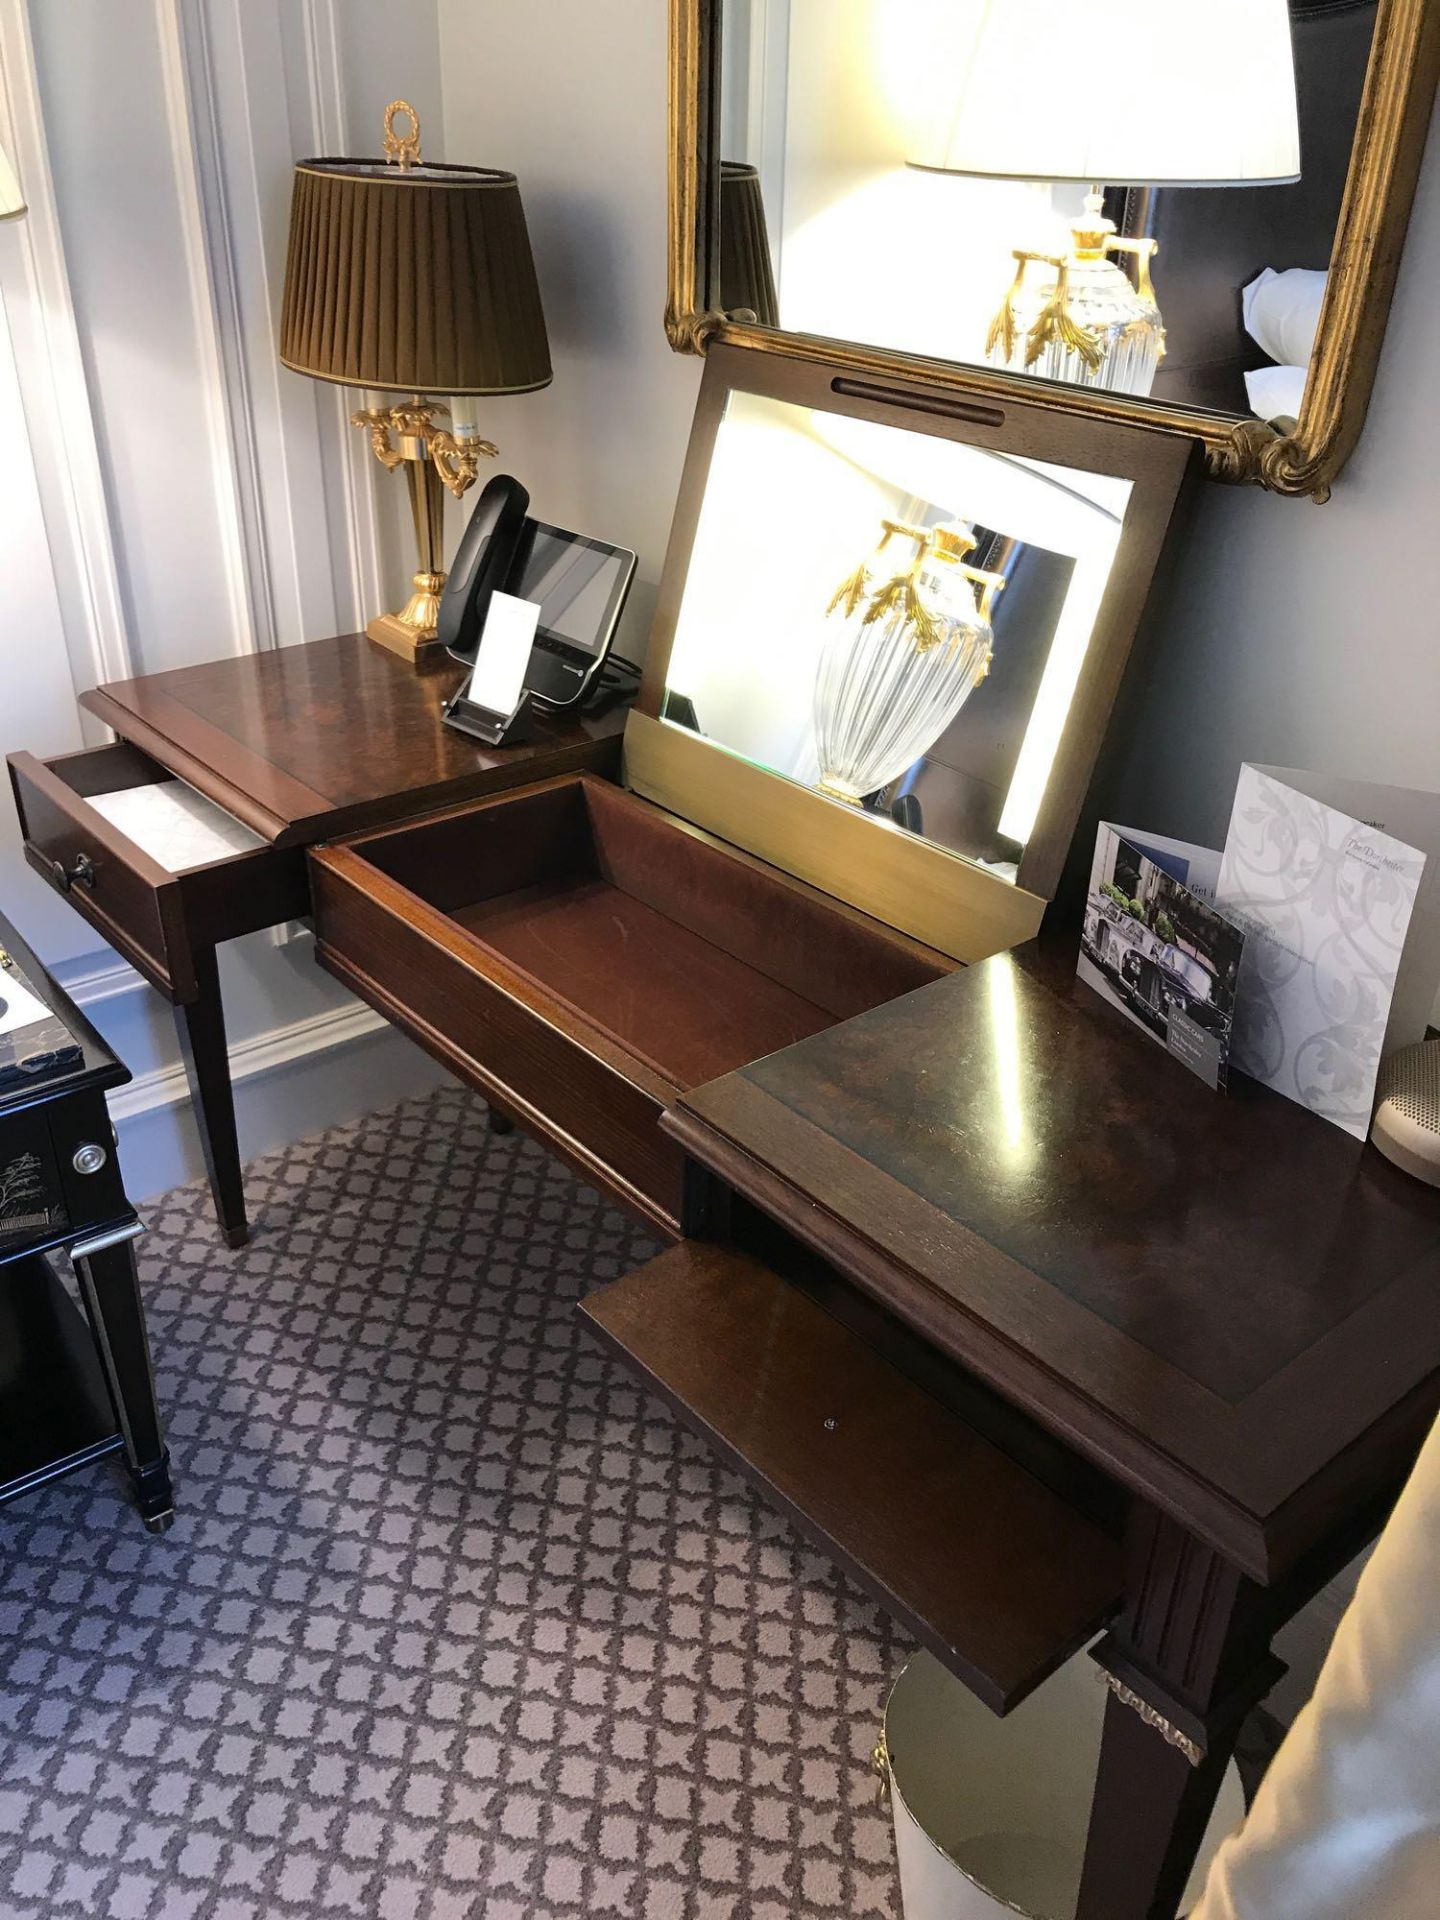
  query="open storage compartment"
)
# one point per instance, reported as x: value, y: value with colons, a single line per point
x: 582, y: 958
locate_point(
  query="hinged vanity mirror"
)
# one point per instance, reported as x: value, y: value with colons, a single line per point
x: 889, y: 632
x: 1186, y: 217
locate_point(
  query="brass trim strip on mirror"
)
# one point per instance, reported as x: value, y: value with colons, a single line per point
x: 907, y: 883
x: 1385, y: 161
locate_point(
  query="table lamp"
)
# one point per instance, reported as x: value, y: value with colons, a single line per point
x: 1160, y: 93
x: 12, y: 201
x: 409, y: 276
x: 747, y: 277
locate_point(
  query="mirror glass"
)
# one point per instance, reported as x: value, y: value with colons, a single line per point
x: 1080, y: 190
x: 893, y: 620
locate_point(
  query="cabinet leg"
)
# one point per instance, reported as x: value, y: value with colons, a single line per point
x: 201, y: 1026
x: 1187, y: 1661
x: 497, y: 1122
x: 1151, y: 1809
x: 110, y: 1288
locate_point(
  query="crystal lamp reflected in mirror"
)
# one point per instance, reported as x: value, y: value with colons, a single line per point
x: 1019, y: 90
x: 905, y: 649
x: 1075, y: 316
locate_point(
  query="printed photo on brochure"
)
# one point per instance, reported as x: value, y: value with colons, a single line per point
x: 1154, y: 946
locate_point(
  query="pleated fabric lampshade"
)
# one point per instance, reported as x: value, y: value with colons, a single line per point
x: 747, y: 277
x: 414, y: 278
x: 418, y: 280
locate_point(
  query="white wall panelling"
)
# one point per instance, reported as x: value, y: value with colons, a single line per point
x: 39, y: 700
x: 53, y: 381
x: 187, y: 79
x: 354, y: 462
x: 195, y: 498
x: 61, y: 604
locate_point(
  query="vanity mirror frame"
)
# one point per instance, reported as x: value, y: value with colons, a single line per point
x: 919, y: 886
x: 1389, y: 144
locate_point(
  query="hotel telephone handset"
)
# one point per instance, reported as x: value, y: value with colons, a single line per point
x: 579, y: 586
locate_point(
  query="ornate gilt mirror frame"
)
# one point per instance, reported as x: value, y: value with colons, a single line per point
x: 1395, y: 110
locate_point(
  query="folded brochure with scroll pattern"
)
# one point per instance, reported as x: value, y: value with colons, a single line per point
x: 1336, y: 884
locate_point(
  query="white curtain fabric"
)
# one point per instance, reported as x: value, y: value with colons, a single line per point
x: 1347, y: 1823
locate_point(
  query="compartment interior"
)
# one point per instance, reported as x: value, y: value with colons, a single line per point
x: 695, y: 958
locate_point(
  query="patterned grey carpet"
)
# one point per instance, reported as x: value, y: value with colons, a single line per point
x: 454, y: 1623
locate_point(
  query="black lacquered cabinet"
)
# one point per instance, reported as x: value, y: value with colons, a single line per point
x: 75, y: 1381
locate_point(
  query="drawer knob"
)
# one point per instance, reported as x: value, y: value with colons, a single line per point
x: 89, y: 1158
x: 82, y: 874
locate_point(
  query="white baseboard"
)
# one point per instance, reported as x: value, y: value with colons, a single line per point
x: 262, y: 1053
x: 306, y: 1075
x: 94, y: 978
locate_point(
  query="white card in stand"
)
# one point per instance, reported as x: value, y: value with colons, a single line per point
x: 497, y: 679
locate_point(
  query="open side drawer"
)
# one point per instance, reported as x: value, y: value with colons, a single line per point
x: 990, y: 1569
x: 583, y: 957
x: 157, y: 914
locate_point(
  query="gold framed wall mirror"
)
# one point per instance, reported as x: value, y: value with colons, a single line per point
x: 1202, y: 237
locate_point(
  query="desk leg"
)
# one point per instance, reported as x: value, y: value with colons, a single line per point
x: 110, y: 1288
x: 1187, y: 1662
x: 201, y: 1026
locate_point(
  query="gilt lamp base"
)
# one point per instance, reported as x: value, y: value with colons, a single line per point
x: 433, y: 460
x: 411, y: 632
x: 389, y: 630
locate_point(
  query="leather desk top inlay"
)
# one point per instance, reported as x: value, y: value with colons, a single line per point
x: 1228, y: 1278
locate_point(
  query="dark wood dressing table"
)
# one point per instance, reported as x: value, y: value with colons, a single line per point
x: 299, y: 745
x: 1014, y: 1318
x: 1209, y: 1326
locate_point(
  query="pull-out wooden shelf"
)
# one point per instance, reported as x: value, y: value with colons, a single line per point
x: 583, y: 958
x: 990, y: 1569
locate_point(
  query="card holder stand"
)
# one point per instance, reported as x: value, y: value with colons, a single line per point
x: 495, y: 729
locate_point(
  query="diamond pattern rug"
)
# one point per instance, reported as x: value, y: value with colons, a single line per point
x: 454, y: 1622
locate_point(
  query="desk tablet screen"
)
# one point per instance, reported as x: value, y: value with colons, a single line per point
x: 578, y: 585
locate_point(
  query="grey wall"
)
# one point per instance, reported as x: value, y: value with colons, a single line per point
x: 1303, y: 635
x: 571, y: 97
x: 1285, y: 632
